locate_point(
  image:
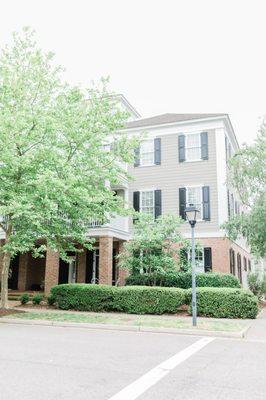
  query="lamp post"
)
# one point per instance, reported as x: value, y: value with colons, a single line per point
x: 191, y: 215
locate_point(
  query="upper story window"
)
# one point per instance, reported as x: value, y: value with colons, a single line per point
x: 198, y: 196
x: 193, y: 147
x: 146, y: 154
x: 194, y: 197
x: 147, y: 202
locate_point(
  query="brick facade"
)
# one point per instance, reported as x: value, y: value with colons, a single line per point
x: 81, y: 266
x: 105, y: 260
x: 23, y: 272
x: 51, y: 270
x: 122, y: 273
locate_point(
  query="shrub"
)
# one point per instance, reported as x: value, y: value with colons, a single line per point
x: 83, y: 297
x: 37, y: 298
x: 184, y: 280
x: 51, y: 300
x: 148, y: 300
x: 24, y: 298
x: 257, y: 284
x: 138, y: 300
x: 225, y: 302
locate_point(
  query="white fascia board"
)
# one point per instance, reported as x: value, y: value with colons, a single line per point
x: 184, y: 127
x: 221, y: 175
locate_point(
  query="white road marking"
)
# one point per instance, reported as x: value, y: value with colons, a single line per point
x: 138, y: 387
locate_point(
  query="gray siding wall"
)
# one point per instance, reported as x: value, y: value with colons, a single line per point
x: 171, y: 175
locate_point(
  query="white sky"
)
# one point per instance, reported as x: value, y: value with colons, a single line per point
x: 164, y: 56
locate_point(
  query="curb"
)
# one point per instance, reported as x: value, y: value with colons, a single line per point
x: 200, y: 332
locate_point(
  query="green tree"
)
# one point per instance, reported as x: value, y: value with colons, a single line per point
x: 56, y: 161
x: 155, y: 246
x: 248, y: 175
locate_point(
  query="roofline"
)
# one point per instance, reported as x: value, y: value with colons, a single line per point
x: 224, y: 117
x: 129, y: 105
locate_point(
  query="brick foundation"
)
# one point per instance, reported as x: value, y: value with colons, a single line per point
x: 106, y: 260
x: 51, y: 270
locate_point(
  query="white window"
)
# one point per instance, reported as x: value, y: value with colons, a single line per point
x: 147, y: 152
x: 199, y: 259
x: 147, y: 202
x: 193, y: 147
x: 194, y: 197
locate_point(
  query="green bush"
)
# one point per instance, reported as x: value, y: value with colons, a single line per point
x: 225, y: 302
x: 37, y: 298
x: 257, y: 284
x: 51, y: 300
x: 184, y: 280
x: 83, y: 297
x: 138, y: 300
x: 148, y: 300
x: 24, y: 298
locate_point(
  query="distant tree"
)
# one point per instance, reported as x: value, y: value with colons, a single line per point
x: 248, y: 175
x: 56, y: 162
x: 155, y: 245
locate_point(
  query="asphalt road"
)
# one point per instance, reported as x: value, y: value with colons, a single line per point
x: 48, y: 363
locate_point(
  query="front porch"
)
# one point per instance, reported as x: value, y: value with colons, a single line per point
x: 40, y: 274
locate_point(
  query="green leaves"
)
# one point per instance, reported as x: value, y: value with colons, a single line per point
x: 58, y: 160
x: 248, y: 176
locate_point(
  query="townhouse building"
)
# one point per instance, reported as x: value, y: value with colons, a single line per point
x: 182, y: 160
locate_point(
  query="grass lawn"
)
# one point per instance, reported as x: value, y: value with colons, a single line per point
x: 164, y: 321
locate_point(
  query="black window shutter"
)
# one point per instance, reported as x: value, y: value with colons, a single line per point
x: 206, y: 203
x: 136, y: 162
x: 182, y: 202
x: 157, y: 151
x: 207, y: 259
x: 136, y: 201
x: 181, y: 148
x: 204, y: 145
x: 157, y: 203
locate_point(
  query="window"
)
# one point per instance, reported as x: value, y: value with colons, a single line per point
x: 199, y: 259
x: 249, y: 265
x: 232, y: 262
x: 239, y: 269
x: 245, y: 264
x: 194, y: 197
x: 193, y: 147
x: 147, y: 152
x: 147, y: 202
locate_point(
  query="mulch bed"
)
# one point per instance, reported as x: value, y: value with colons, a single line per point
x: 37, y: 306
x: 4, y: 313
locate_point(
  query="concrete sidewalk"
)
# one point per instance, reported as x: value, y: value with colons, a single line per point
x: 257, y: 330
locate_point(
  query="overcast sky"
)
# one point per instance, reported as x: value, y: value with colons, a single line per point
x: 164, y: 56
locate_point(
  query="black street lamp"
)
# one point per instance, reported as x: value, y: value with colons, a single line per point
x: 191, y: 215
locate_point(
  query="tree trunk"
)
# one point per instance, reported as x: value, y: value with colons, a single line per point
x: 4, y: 280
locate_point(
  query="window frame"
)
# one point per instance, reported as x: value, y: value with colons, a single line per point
x: 150, y: 152
x: 140, y: 201
x: 201, y: 199
x: 187, y: 159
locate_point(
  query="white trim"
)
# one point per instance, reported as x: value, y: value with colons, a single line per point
x: 221, y: 176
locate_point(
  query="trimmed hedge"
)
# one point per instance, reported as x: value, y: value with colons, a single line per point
x: 148, y: 300
x: 136, y: 300
x: 83, y: 297
x: 225, y: 303
x: 184, y: 280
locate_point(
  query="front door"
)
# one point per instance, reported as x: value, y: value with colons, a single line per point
x: 67, y: 270
x: 13, y: 274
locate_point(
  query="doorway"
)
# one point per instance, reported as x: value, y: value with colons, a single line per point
x: 67, y: 270
x: 13, y: 274
x: 92, y: 266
